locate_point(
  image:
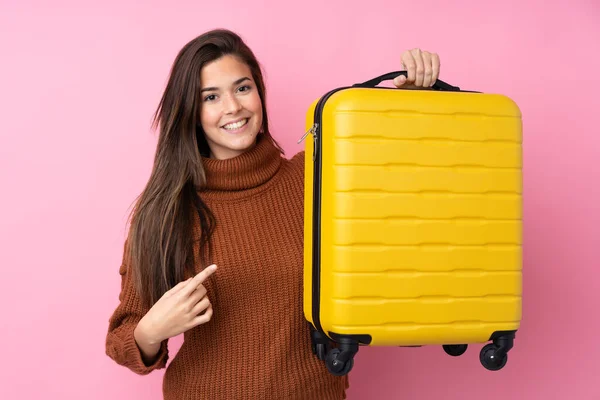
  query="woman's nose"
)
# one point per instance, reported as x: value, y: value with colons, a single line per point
x: 232, y: 105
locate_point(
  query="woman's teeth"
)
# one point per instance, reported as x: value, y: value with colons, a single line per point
x: 236, y: 125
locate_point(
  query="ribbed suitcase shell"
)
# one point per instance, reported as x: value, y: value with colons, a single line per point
x: 420, y: 216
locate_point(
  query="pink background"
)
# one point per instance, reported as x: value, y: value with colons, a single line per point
x: 78, y: 85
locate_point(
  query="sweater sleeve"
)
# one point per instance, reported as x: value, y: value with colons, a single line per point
x: 120, y: 342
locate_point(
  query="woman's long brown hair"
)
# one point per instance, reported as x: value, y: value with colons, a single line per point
x: 169, y: 216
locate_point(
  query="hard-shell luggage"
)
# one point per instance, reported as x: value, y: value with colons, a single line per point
x: 413, y: 221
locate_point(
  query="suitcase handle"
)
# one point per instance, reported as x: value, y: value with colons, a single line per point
x: 438, y: 85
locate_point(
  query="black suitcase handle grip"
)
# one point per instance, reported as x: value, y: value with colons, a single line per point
x: 438, y: 85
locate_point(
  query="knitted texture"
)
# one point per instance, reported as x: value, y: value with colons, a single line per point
x: 257, y: 345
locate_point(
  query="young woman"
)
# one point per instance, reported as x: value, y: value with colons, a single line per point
x: 221, y: 194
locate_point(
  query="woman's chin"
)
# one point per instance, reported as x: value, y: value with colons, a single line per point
x: 234, y: 145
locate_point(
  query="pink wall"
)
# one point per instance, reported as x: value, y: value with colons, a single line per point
x: 79, y: 83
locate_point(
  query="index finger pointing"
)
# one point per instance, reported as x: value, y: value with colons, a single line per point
x: 198, y: 279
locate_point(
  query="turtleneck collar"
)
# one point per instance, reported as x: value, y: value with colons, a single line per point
x: 246, y: 171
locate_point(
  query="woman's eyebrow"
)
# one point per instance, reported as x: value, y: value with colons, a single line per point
x: 211, y: 89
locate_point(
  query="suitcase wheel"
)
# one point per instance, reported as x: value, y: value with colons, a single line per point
x: 492, y: 357
x: 455, y: 350
x: 320, y: 344
x: 321, y: 351
x: 336, y: 364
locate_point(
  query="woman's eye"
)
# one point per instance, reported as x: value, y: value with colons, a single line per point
x: 210, y: 97
x: 244, y: 88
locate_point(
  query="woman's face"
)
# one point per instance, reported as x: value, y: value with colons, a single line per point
x: 231, y: 109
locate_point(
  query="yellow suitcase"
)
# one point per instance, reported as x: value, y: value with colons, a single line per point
x: 413, y: 221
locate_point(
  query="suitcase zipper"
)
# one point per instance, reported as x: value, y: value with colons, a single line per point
x: 312, y: 131
x: 316, y: 226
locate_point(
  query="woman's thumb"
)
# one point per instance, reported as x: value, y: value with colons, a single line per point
x: 399, y: 80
